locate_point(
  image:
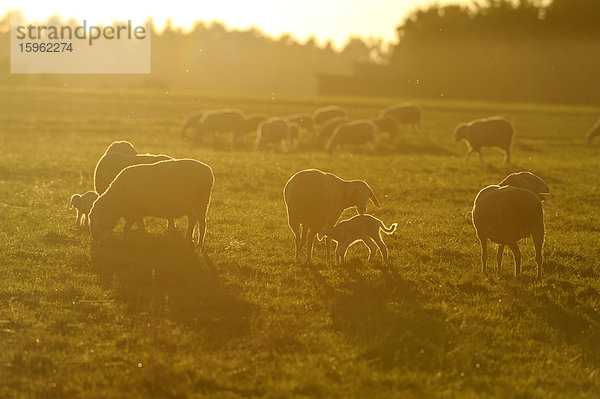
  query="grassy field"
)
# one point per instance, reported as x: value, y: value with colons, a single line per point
x: 150, y: 317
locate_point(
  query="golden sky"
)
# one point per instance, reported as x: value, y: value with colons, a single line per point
x: 326, y: 19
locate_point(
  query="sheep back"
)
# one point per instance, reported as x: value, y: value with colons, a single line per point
x: 493, y: 132
x: 221, y: 121
x: 403, y: 113
x: 323, y: 114
x: 357, y: 133
x: 109, y: 166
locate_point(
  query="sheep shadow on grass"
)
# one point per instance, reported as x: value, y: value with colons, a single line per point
x: 164, y: 277
x: 384, y: 316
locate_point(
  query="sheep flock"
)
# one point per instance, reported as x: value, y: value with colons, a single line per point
x: 132, y: 186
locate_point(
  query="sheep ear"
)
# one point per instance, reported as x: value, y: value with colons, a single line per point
x: 320, y: 236
x: 72, y: 200
x: 373, y: 199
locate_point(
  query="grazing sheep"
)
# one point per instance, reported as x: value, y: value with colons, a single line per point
x: 329, y: 126
x: 594, y: 131
x: 365, y: 228
x: 274, y: 130
x: 252, y: 121
x: 166, y: 189
x: 83, y: 204
x: 191, y: 123
x: 226, y: 120
x: 387, y: 124
x: 528, y: 181
x: 305, y: 121
x: 315, y: 199
x: 489, y: 132
x: 405, y: 113
x: 294, y: 132
x: 357, y: 133
x: 323, y: 114
x: 121, y: 147
x: 505, y: 215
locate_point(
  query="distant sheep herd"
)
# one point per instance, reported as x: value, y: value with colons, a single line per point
x: 131, y: 186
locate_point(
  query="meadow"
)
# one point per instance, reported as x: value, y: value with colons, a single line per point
x: 149, y: 317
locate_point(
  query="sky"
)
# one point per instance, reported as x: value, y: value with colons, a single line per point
x: 326, y: 19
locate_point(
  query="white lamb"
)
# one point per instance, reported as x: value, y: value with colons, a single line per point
x: 365, y: 228
x: 83, y: 204
x: 315, y: 199
x: 167, y: 189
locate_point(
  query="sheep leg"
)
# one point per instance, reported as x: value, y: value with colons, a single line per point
x: 517, y: 254
x: 340, y: 252
x: 372, y: 247
x: 507, y: 156
x: 327, y: 247
x: 480, y: 156
x: 127, y: 227
x: 499, y: 257
x: 537, y: 242
x: 86, y: 217
x: 382, y: 247
x: 310, y: 243
x: 171, y: 226
x: 140, y: 224
x: 78, y: 220
x: 201, y: 230
x: 483, y: 242
x: 469, y: 152
x: 189, y: 235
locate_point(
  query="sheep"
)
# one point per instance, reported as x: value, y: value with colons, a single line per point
x: 323, y: 114
x: 227, y: 120
x: 329, y: 126
x: 166, y: 189
x: 294, y: 132
x: 110, y: 164
x: 365, y: 228
x: 314, y: 199
x: 528, y: 181
x: 387, y: 124
x: 305, y: 121
x: 505, y: 215
x: 488, y: 132
x: 274, y: 130
x: 252, y: 121
x: 405, y: 113
x: 121, y: 147
x: 83, y: 204
x: 357, y: 133
x: 191, y: 122
x: 594, y: 131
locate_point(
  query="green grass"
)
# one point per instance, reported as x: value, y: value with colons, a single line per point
x: 150, y: 317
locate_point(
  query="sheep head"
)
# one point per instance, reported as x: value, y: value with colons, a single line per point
x: 122, y: 147
x: 528, y: 181
x: 75, y: 201
x: 360, y: 194
x: 595, y: 131
x: 460, y: 132
x: 102, y: 219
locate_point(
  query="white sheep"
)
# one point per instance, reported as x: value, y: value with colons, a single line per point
x: 83, y: 204
x: 593, y: 132
x: 328, y: 127
x: 488, y: 132
x: 359, y: 132
x: 365, y: 228
x: 227, y: 120
x: 323, y: 114
x: 305, y: 121
x: 252, y: 121
x: 167, y: 189
x: 405, y: 114
x: 505, y: 215
x: 274, y: 131
x: 315, y: 199
x: 387, y: 124
x: 191, y: 123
